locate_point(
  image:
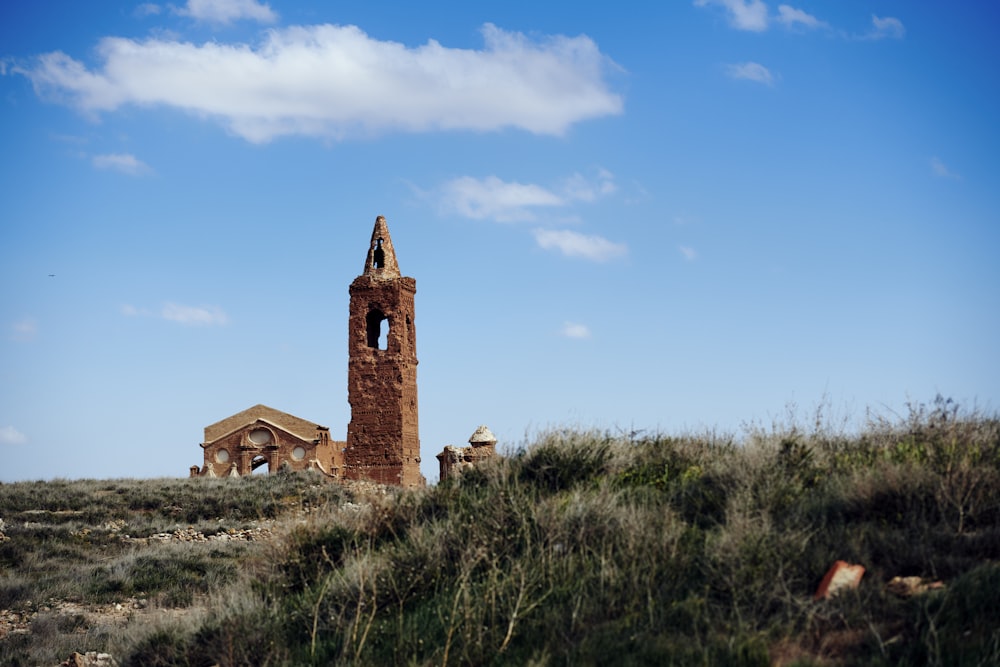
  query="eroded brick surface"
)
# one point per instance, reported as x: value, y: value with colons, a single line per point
x: 383, y: 442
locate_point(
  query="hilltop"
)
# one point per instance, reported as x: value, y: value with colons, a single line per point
x: 581, y: 547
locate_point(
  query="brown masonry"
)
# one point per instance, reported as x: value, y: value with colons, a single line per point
x: 383, y: 443
x: 262, y: 436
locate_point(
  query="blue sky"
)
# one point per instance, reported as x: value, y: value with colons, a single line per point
x: 674, y: 217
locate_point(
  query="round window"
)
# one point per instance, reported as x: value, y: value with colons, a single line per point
x: 260, y: 436
x: 299, y: 453
x: 222, y: 456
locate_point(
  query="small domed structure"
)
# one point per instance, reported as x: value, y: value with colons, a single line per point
x: 454, y: 460
x: 482, y: 436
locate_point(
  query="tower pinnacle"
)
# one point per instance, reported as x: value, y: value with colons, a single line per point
x: 381, y: 260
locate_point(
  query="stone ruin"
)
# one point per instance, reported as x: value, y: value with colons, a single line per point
x: 262, y: 436
x: 383, y: 444
x: 453, y: 460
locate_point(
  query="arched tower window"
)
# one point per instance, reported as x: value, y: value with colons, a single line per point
x: 378, y: 329
x: 379, y: 254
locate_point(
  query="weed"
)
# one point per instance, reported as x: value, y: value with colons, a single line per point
x: 582, y: 548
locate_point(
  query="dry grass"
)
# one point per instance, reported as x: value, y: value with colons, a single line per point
x: 580, y: 548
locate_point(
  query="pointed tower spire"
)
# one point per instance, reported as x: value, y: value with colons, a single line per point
x: 381, y: 260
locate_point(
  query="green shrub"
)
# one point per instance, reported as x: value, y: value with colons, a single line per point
x: 582, y: 548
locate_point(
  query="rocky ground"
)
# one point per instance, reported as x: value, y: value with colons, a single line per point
x: 119, y: 614
x: 70, y: 552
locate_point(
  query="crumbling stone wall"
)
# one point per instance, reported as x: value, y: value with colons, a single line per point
x: 453, y: 460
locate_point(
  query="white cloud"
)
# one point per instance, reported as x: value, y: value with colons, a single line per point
x: 24, y: 330
x: 886, y: 27
x: 690, y: 254
x: 227, y: 11
x: 743, y: 14
x: 123, y: 162
x: 336, y: 82
x: 494, y: 199
x: 752, y: 72
x: 575, y: 330
x: 194, y: 316
x: 942, y: 170
x: 574, y: 244
x: 11, y: 436
x: 791, y: 17
x: 186, y: 315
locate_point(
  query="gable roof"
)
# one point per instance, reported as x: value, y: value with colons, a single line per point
x: 295, y: 425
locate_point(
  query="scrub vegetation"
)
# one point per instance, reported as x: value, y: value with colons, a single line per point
x: 580, y: 548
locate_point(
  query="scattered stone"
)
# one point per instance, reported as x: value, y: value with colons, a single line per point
x: 14, y: 623
x: 909, y: 586
x: 115, y: 526
x: 89, y: 659
x: 840, y: 577
x: 189, y: 534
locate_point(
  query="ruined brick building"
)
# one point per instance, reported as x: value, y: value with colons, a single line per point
x: 382, y: 444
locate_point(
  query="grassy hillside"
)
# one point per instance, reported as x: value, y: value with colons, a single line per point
x: 580, y: 548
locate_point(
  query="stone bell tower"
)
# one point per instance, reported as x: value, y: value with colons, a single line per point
x: 383, y: 444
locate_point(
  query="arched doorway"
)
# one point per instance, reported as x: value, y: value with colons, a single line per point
x: 260, y: 465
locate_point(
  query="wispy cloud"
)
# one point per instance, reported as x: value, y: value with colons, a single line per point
x: 743, y: 14
x: 942, y: 170
x: 573, y: 244
x: 502, y: 201
x: 123, y: 162
x: 194, y: 316
x: 581, y: 188
x: 227, y: 11
x: 690, y: 254
x: 575, y: 330
x: 11, y: 436
x: 790, y: 17
x: 147, y: 9
x: 751, y: 71
x: 185, y: 315
x: 886, y: 27
x: 492, y: 198
x: 755, y: 16
x: 128, y: 310
x: 336, y: 82
x: 24, y: 330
